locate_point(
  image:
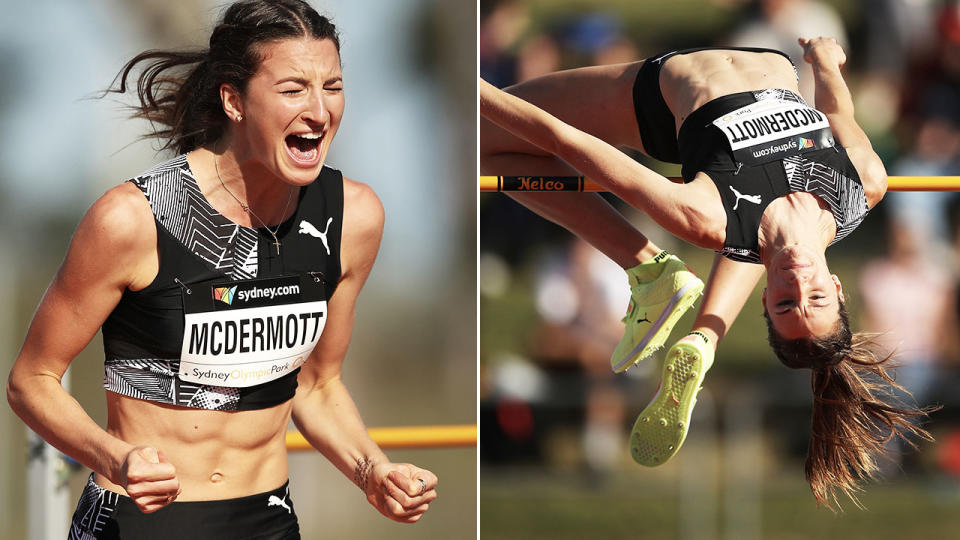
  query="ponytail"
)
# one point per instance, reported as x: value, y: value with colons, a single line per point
x: 855, y: 411
x: 181, y: 111
x: 179, y: 92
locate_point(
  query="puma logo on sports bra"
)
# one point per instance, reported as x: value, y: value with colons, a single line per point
x: 307, y: 228
x: 755, y: 199
x: 227, y: 322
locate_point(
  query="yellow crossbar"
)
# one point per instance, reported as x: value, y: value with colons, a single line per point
x: 406, y: 437
x: 580, y: 183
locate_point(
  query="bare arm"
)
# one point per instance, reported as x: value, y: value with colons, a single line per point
x: 592, y: 99
x: 114, y: 248
x: 323, y: 409
x: 591, y: 156
x: 728, y: 288
x: 677, y: 208
x: 833, y: 98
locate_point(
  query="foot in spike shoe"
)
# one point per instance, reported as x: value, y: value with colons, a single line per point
x: 662, y: 427
x: 655, y: 307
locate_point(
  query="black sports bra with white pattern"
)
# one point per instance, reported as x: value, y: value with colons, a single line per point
x: 227, y: 321
x: 759, y: 146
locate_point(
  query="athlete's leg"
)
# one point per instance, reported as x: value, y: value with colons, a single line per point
x: 662, y: 288
x: 586, y: 215
x: 597, y: 100
x: 608, y: 116
x: 692, y: 212
x: 591, y: 218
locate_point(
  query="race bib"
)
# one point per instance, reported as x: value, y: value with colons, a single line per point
x: 773, y: 129
x: 249, y: 332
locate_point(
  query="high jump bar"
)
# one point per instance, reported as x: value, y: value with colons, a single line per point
x: 581, y: 183
x: 406, y: 437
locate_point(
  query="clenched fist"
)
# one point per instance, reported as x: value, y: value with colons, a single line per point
x: 401, y: 491
x: 823, y: 52
x: 149, y: 479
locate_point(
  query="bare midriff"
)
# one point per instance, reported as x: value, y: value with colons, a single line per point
x: 688, y: 81
x: 217, y: 454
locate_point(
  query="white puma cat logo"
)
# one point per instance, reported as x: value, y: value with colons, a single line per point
x: 755, y: 199
x: 277, y: 501
x: 307, y: 228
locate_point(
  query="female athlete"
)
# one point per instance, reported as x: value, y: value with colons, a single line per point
x: 225, y: 282
x: 769, y: 180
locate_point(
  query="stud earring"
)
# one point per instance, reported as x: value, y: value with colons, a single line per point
x: 239, y: 117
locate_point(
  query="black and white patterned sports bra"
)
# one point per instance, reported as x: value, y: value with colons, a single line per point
x: 227, y: 321
x: 761, y: 145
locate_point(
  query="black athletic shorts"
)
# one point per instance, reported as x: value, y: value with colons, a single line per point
x: 658, y: 127
x: 103, y: 514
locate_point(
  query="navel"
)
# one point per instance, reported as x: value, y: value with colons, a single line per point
x: 216, y: 477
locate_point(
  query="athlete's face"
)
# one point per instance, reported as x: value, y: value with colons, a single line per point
x: 802, y: 297
x: 292, y: 108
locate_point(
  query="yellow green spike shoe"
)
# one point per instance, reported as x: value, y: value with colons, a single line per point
x: 655, y: 306
x: 662, y: 427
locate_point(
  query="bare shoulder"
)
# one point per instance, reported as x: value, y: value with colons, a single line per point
x: 363, y: 213
x: 362, y: 229
x: 118, y: 228
x: 121, y: 215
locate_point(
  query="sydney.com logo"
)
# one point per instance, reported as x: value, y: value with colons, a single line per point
x: 224, y: 294
x: 227, y: 294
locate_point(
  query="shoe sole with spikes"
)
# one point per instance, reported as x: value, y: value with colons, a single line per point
x: 662, y: 427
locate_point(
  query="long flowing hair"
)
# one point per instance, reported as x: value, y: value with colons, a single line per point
x: 179, y: 91
x: 856, y: 412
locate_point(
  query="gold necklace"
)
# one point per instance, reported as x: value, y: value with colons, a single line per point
x: 246, y: 207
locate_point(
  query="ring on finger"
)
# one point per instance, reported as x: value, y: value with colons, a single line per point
x: 423, y: 487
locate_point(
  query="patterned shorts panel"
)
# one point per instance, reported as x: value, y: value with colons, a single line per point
x: 93, y: 512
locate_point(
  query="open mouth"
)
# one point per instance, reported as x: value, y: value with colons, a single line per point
x: 304, y: 148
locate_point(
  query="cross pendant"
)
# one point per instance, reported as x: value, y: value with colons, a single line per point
x: 277, y: 244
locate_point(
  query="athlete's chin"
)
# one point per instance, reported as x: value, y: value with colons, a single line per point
x: 793, y: 257
x: 299, y: 175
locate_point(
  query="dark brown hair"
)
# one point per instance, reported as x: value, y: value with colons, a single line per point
x: 179, y: 92
x: 855, y: 411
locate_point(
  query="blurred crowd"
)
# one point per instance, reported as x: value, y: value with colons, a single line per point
x: 562, y: 300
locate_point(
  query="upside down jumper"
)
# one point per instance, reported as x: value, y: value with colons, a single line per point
x: 768, y: 180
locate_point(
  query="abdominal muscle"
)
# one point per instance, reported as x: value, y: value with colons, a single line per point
x: 688, y: 81
x: 217, y: 454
